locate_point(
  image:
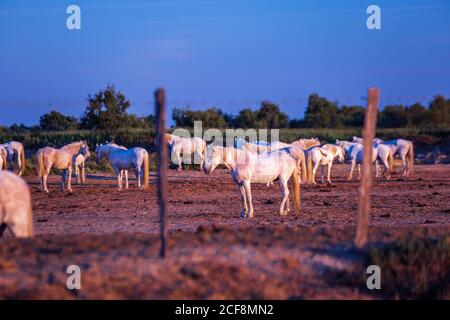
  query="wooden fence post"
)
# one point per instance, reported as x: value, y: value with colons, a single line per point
x: 160, y: 110
x: 370, y: 123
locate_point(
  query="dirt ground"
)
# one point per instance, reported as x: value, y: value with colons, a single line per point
x: 113, y: 237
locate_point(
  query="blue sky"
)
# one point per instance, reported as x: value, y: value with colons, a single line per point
x: 229, y: 54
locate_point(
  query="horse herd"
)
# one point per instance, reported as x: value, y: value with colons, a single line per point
x: 248, y: 163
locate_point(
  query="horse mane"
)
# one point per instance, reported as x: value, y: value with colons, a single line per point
x: 74, y: 146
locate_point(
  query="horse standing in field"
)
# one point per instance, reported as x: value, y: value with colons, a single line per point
x: 186, y: 146
x: 62, y: 159
x: 384, y: 154
x: 123, y: 172
x: 322, y: 156
x: 79, y: 162
x: 15, y: 154
x: 3, y: 158
x: 250, y: 168
x: 405, y: 149
x: 354, y: 151
x: 125, y: 159
x: 15, y: 206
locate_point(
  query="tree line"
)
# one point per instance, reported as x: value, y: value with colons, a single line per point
x: 108, y: 110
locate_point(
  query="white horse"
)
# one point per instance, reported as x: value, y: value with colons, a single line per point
x: 15, y: 153
x: 405, y: 149
x: 230, y: 157
x: 186, y: 146
x: 322, y: 156
x: 123, y: 172
x: 3, y: 158
x: 125, y: 159
x: 280, y: 164
x: 260, y: 147
x: 354, y: 151
x: 384, y: 154
x: 15, y: 205
x: 62, y: 159
x: 79, y: 161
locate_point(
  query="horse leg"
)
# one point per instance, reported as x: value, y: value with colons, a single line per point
x: 350, y: 176
x: 285, y: 194
x: 405, y: 167
x: 329, y: 172
x: 119, y: 179
x: 359, y: 171
x: 126, y: 179
x: 19, y: 163
x: 177, y: 155
x: 314, y: 172
x: 69, y: 178
x: 63, y: 179
x: 44, y: 180
x: 77, y: 174
x: 83, y: 174
x: 138, y: 177
x: 248, y: 191
x: 244, y: 202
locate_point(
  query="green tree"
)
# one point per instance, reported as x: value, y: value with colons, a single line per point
x: 394, y: 117
x: 271, y: 117
x: 211, y: 118
x: 321, y: 113
x: 106, y: 110
x: 440, y: 111
x: 352, y: 116
x: 55, y: 120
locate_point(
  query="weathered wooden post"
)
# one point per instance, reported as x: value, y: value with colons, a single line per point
x: 370, y: 122
x: 160, y: 110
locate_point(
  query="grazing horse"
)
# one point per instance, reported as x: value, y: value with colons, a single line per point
x: 15, y: 153
x: 15, y: 205
x: 62, y: 159
x: 79, y: 162
x: 186, y: 146
x: 354, y: 151
x: 322, y: 156
x: 405, y: 149
x: 125, y: 159
x: 3, y: 158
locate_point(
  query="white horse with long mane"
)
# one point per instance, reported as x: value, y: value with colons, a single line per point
x: 248, y: 168
x: 125, y: 159
x: 15, y: 206
x: 322, y: 156
x: 15, y: 154
x: 62, y: 159
x: 405, y: 149
x: 186, y: 146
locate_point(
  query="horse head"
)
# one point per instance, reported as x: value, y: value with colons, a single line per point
x: 213, y: 159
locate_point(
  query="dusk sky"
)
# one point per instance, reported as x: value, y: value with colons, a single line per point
x: 229, y: 54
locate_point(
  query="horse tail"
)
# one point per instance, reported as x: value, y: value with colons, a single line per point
x: 410, y: 155
x: 40, y: 162
x: 390, y: 160
x: 296, y: 188
x: 146, y: 171
x: 5, y: 159
x: 23, y: 162
x: 309, y: 166
x: 303, y: 166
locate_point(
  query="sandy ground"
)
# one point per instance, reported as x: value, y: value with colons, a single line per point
x: 113, y: 237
